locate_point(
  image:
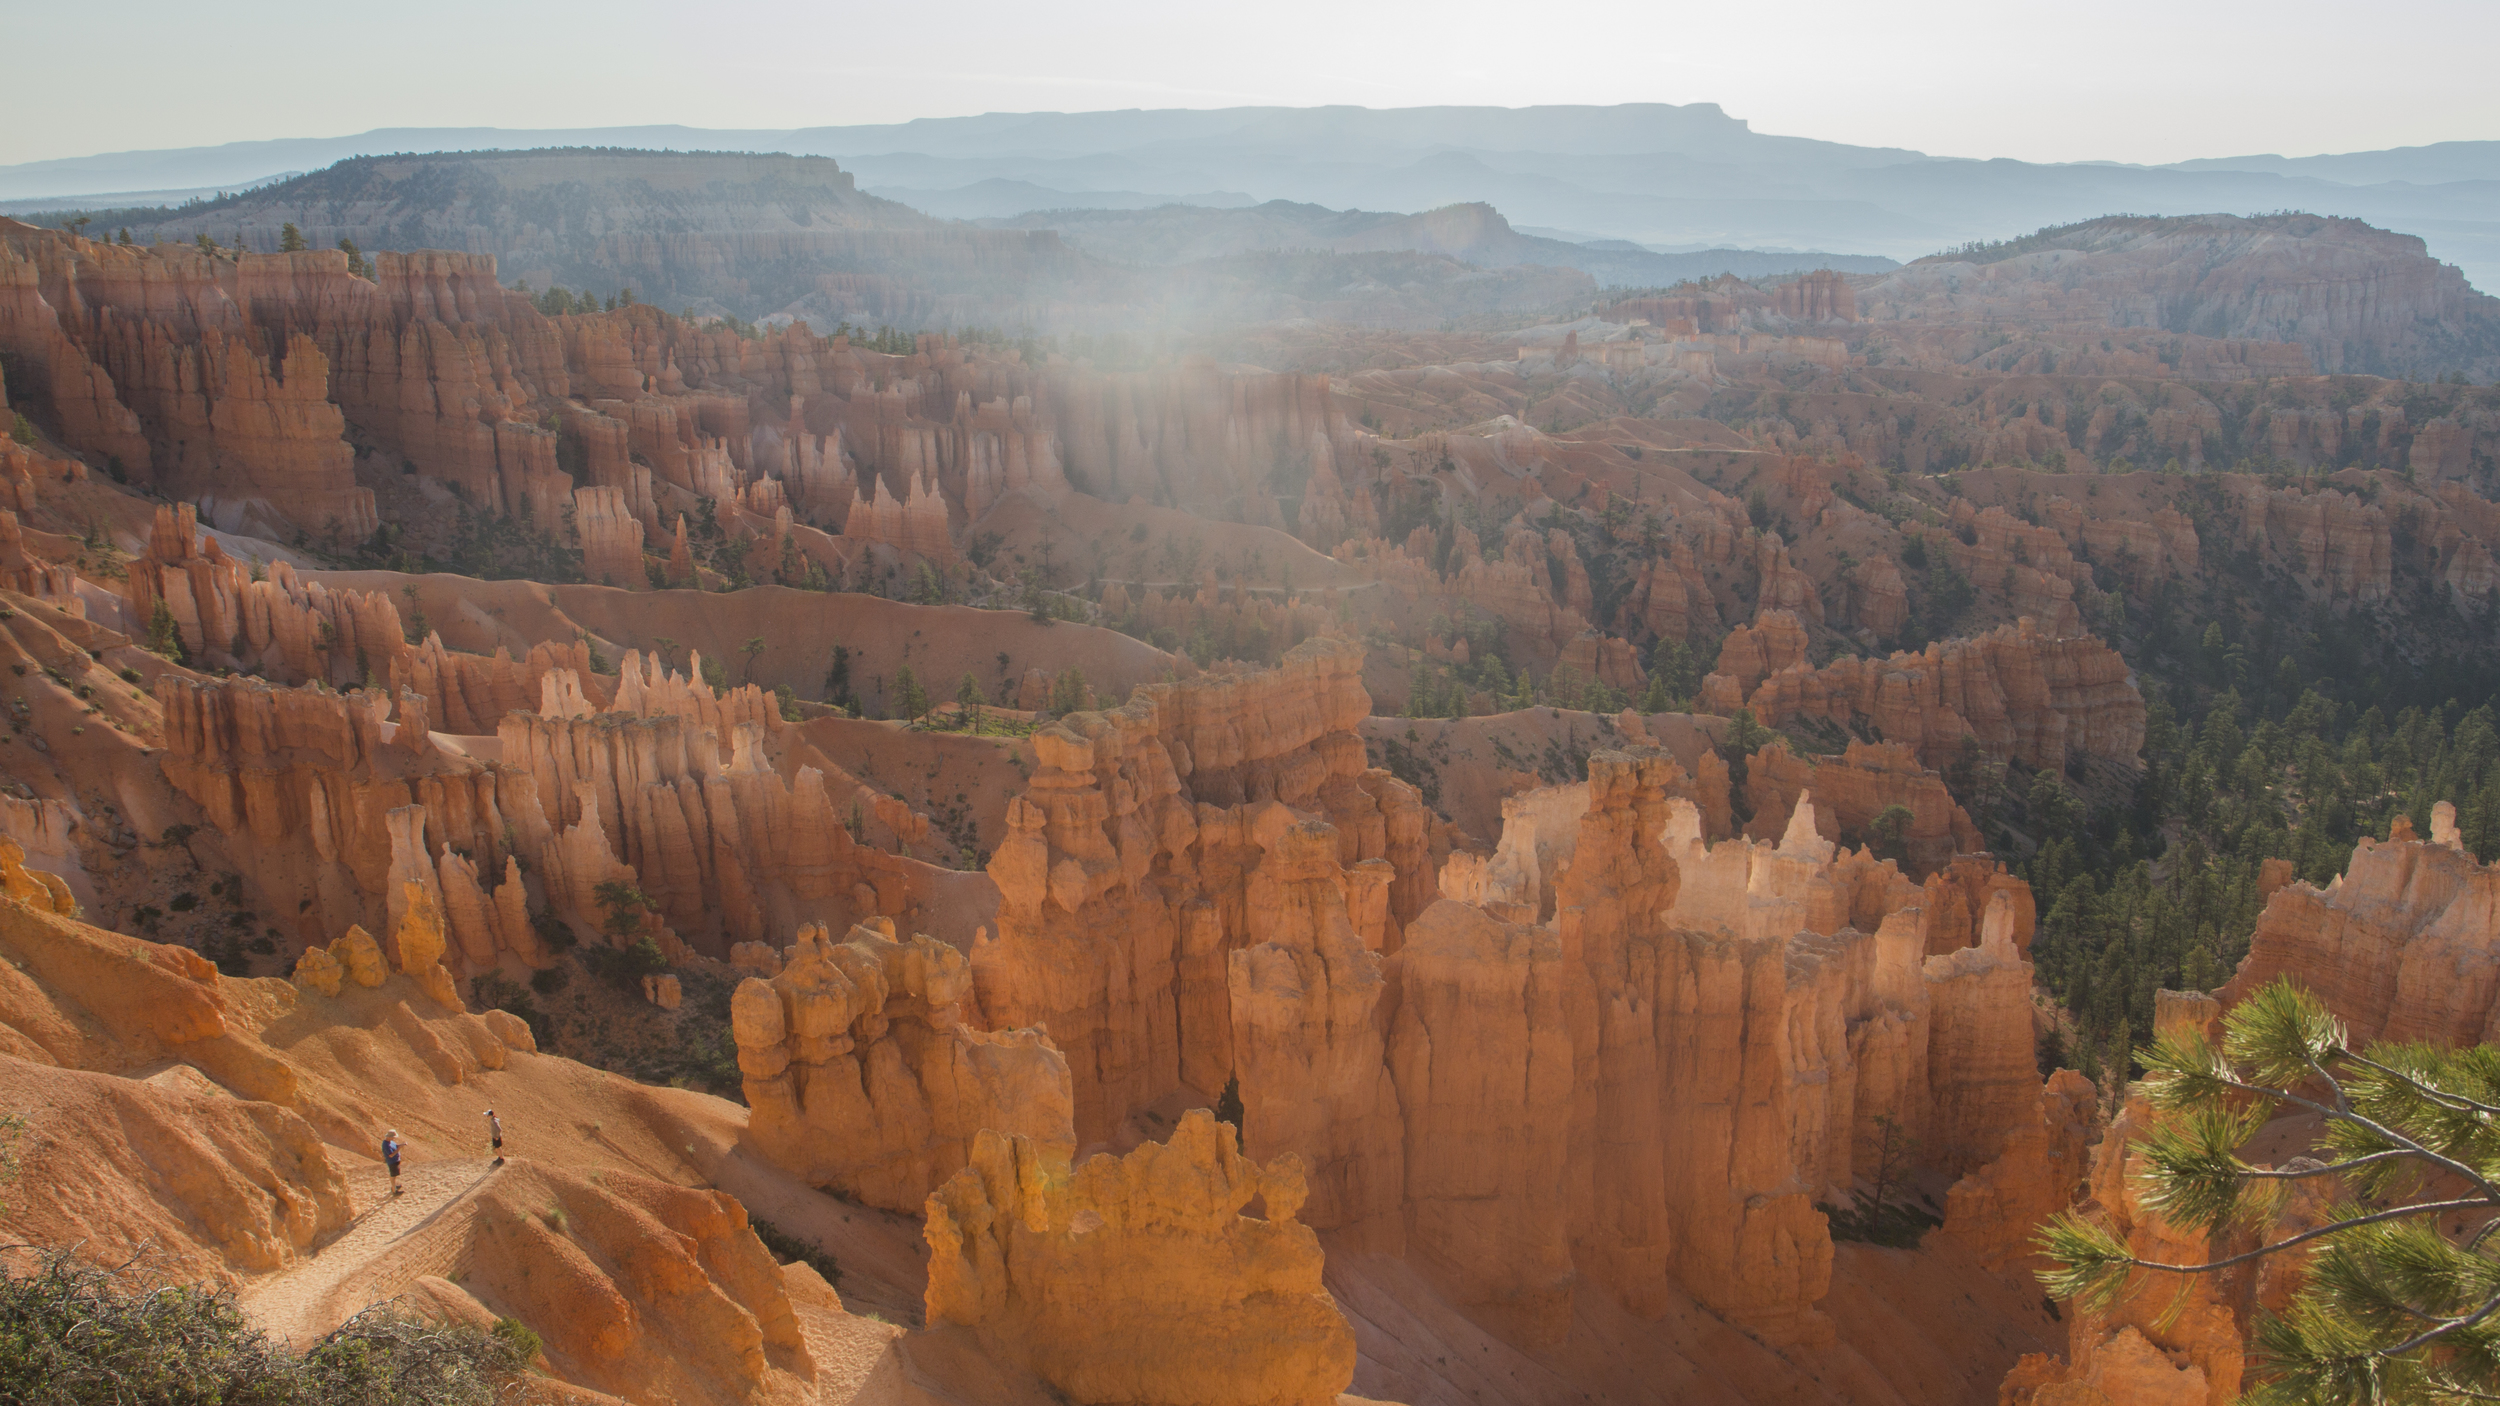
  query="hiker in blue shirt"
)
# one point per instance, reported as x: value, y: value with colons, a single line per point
x: 390, y: 1157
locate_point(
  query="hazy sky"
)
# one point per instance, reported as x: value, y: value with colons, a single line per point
x: 2129, y: 80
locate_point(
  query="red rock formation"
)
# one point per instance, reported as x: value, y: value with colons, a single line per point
x: 1879, y: 599
x: 468, y: 694
x: 680, y: 568
x: 865, y: 1080
x: 2019, y: 691
x: 1139, y: 1278
x: 267, y: 619
x: 611, y: 537
x: 1783, y: 588
x: 1306, y: 1035
x: 1126, y: 880
x: 1735, y: 1017
x: 1773, y: 644
x: 668, y: 787
x: 2329, y: 541
x: 2398, y: 946
x: 1996, y: 1209
x: 1487, y: 1202
x: 2142, y: 552
x: 1821, y: 296
x: 309, y: 780
x: 1851, y: 791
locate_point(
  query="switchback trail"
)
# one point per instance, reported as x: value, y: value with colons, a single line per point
x: 420, y: 1231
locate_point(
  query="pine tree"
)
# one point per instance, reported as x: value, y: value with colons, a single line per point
x: 1067, y: 692
x: 290, y: 239
x: 969, y: 697
x: 838, y: 679
x: 164, y: 636
x: 2389, y: 1309
x: 909, y: 695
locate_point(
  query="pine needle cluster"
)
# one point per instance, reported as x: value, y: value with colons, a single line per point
x: 2390, y: 1308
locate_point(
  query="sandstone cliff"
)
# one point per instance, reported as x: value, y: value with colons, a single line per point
x: 1139, y: 1278
x: 2021, y: 693
x: 2399, y: 945
x: 1734, y: 1017
x: 863, y: 1077
x: 1127, y: 880
x: 669, y: 786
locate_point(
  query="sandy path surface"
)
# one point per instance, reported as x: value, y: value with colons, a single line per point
x: 419, y: 1231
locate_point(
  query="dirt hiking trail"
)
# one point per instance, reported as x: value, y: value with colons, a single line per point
x: 423, y: 1230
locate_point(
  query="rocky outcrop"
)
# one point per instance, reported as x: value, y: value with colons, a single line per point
x: 1139, y: 1278
x: 1487, y: 1201
x: 667, y: 786
x: 1727, y: 1023
x: 1852, y: 792
x: 309, y: 781
x: 2180, y: 1340
x: 864, y: 1078
x: 2143, y: 552
x: 611, y: 537
x: 1996, y: 1210
x: 2399, y: 945
x: 635, y: 1287
x: 269, y: 619
x: 1773, y: 644
x: 2330, y: 541
x: 1127, y: 878
x: 1303, y: 1003
x: 2018, y: 692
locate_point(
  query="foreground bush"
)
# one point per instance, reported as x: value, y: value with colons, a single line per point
x: 76, y: 1335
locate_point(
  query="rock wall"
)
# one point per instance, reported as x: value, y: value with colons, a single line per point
x: 1139, y: 1278
x: 1128, y: 879
x: 2399, y: 945
x: 2022, y: 693
x: 864, y: 1078
x: 1709, y: 1032
x: 1852, y: 791
x: 669, y: 786
x: 269, y: 619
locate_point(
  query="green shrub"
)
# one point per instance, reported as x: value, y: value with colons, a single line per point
x: 787, y: 1248
x: 625, y: 966
x: 495, y: 991
x: 553, y: 931
x: 72, y: 1334
x: 515, y: 1334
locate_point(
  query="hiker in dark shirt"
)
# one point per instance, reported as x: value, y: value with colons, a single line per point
x: 390, y: 1157
x: 494, y: 1130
